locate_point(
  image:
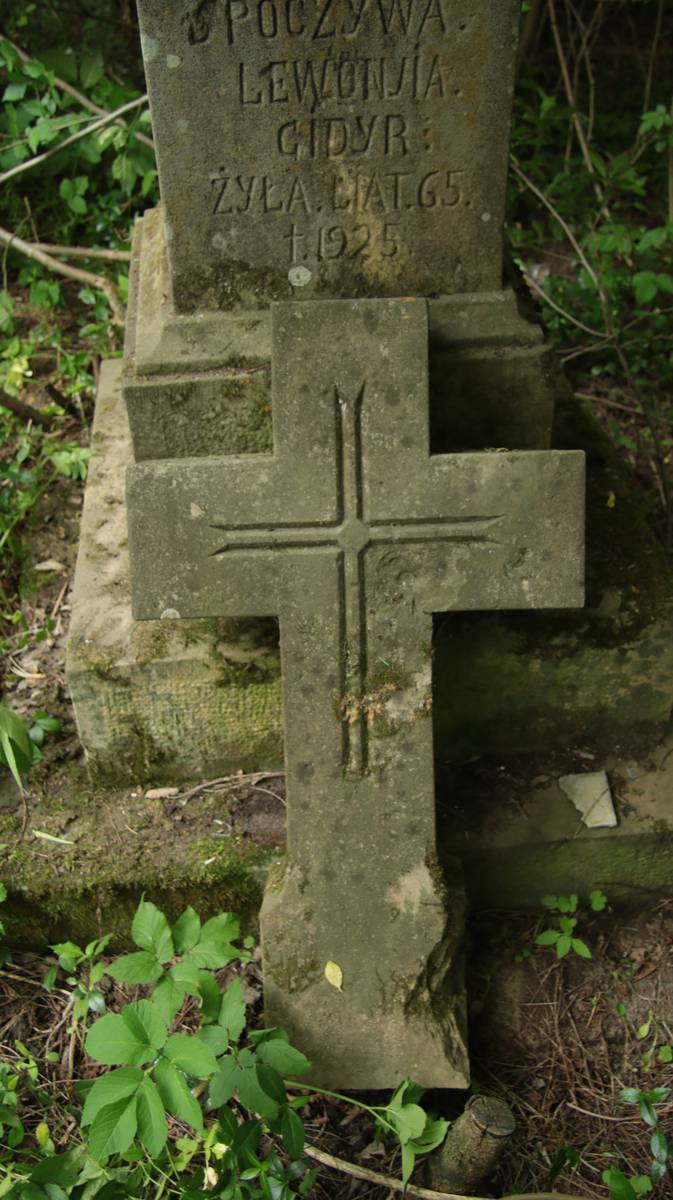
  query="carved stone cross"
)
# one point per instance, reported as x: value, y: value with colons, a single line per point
x: 354, y: 535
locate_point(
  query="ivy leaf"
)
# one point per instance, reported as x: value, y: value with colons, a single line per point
x: 176, y: 1096
x: 108, y: 1089
x: 152, y: 1125
x: 191, y: 1055
x: 150, y: 930
x: 114, y: 1128
x: 141, y: 967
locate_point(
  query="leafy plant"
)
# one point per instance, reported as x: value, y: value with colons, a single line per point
x: 159, y: 1072
x: 84, y: 970
x: 562, y: 937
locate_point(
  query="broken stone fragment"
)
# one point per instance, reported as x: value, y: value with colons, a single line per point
x: 592, y: 797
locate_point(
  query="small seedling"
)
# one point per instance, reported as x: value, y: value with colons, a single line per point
x: 563, y: 936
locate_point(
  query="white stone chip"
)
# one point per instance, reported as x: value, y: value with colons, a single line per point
x: 591, y: 795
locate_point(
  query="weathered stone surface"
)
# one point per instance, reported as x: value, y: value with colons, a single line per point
x: 335, y: 148
x: 354, y: 534
x: 157, y: 699
x: 200, y: 383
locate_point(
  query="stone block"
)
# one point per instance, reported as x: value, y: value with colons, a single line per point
x: 163, y: 698
x: 328, y: 149
x: 199, y: 385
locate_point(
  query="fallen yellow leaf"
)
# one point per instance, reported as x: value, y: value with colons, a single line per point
x: 334, y: 975
x: 611, y: 500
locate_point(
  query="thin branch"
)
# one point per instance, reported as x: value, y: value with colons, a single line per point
x: 647, y: 95
x: 64, y: 86
x: 535, y: 287
x: 572, y: 101
x: 83, y: 252
x: 75, y: 137
x: 25, y: 411
x: 97, y: 281
x: 564, y: 226
x: 410, y: 1189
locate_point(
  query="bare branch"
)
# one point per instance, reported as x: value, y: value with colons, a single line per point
x: 75, y: 137
x: 64, y: 86
x: 83, y: 252
x: 97, y: 281
x: 535, y: 287
x: 410, y: 1189
x: 25, y: 411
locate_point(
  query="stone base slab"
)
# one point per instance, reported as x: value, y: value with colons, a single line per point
x: 175, y: 699
x: 199, y: 385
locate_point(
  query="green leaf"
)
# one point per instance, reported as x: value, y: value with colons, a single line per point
x: 117, y: 1085
x: 283, y: 1057
x: 141, y: 967
x: 114, y: 1128
x: 168, y: 997
x: 146, y: 1023
x: 232, y: 1011
x: 176, y: 1096
x: 409, y: 1121
x: 620, y: 1188
x: 644, y: 286
x: 191, y: 1055
x: 62, y: 1169
x: 292, y: 1133
x: 597, y: 901
x: 210, y: 996
x: 186, y: 931
x: 150, y: 930
x: 14, y: 91
x: 215, y: 1038
x: 152, y: 1125
x: 91, y: 69
x: 271, y: 1083
x: 408, y: 1160
x: 110, y: 1040
x: 580, y: 948
x: 665, y: 1053
x: 223, y: 1084
x: 249, y: 1090
x: 641, y: 1184
x: 214, y: 947
x: 563, y: 946
x: 549, y: 938
x: 659, y: 1146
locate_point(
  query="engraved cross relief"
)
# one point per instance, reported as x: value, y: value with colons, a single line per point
x: 354, y: 535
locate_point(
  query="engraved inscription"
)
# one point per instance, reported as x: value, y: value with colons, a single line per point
x: 363, y: 141
x: 325, y: 20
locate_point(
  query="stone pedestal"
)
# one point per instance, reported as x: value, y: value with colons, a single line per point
x: 158, y: 699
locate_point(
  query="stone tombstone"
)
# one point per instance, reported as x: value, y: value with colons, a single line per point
x: 354, y: 535
x: 330, y: 147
